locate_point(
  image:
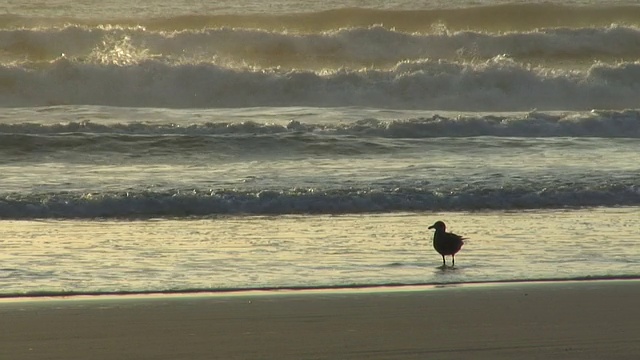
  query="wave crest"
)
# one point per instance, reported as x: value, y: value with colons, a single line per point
x: 310, y: 201
x: 354, y: 47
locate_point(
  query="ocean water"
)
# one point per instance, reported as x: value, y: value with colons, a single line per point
x: 195, y: 146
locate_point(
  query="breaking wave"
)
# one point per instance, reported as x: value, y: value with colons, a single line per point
x: 352, y: 46
x: 495, y: 85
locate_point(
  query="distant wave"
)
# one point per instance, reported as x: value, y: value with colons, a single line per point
x: 313, y: 201
x: 496, y: 17
x: 498, y: 84
x: 481, y: 58
x: 512, y: 57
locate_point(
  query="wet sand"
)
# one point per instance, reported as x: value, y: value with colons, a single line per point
x: 556, y: 320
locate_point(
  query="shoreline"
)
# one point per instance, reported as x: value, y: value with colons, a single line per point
x: 310, y: 290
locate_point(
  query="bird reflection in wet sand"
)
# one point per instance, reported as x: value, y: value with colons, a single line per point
x: 446, y: 243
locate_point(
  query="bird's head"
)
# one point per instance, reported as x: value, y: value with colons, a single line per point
x: 439, y: 226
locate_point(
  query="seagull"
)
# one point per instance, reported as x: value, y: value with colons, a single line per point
x: 446, y: 243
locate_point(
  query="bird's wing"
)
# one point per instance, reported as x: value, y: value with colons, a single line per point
x: 455, y: 237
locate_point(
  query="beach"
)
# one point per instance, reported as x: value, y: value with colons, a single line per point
x: 536, y: 320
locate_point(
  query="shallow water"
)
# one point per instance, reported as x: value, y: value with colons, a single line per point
x: 158, y: 146
x: 62, y: 256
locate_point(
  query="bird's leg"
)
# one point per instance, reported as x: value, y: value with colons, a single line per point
x: 453, y: 260
x: 444, y: 263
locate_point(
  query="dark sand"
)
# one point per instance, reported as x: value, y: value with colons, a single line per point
x: 558, y: 320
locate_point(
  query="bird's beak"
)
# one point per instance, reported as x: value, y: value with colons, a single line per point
x: 431, y: 227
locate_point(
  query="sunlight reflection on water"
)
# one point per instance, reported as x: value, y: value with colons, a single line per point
x: 286, y: 251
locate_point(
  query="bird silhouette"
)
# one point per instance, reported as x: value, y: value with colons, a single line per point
x: 446, y: 243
